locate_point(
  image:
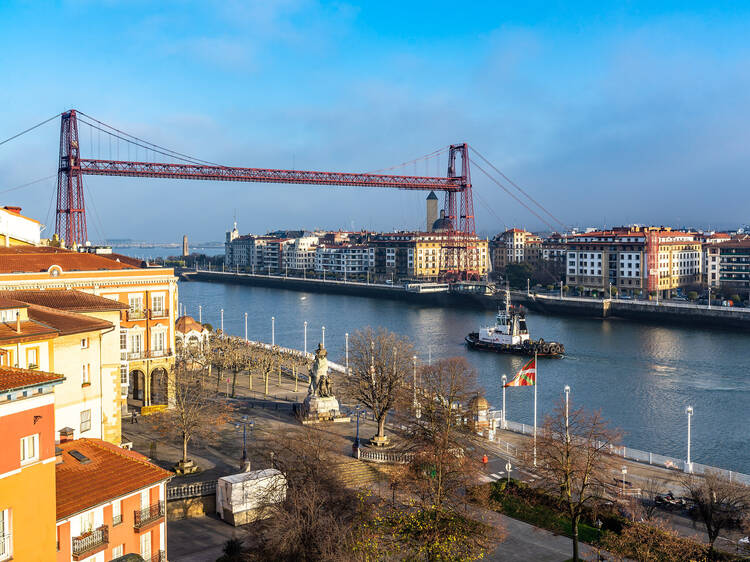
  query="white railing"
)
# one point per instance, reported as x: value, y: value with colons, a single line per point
x: 192, y: 490
x: 6, y: 546
x: 393, y: 457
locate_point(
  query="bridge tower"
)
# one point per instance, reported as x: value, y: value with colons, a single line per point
x: 70, y: 218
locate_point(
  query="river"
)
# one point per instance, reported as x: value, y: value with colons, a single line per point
x: 641, y: 376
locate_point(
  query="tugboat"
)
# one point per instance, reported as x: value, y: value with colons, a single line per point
x: 510, y: 335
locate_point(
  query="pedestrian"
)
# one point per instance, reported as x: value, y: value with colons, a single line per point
x: 133, y: 419
x: 485, y: 460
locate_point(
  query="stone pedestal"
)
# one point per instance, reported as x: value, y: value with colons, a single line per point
x: 380, y: 441
x: 187, y: 467
x: 318, y: 409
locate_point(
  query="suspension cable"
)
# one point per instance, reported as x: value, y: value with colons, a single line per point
x: 27, y: 184
x: 513, y: 195
x: 30, y: 129
x: 521, y: 190
x: 432, y: 154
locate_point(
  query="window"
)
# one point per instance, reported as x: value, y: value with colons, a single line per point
x: 136, y: 303
x: 118, y: 550
x: 86, y: 373
x: 32, y: 357
x: 117, y: 512
x: 135, y: 343
x: 30, y: 448
x: 158, y: 341
x: 87, y: 522
x: 84, y: 343
x: 124, y: 374
x: 146, y: 545
x: 123, y: 339
x: 6, y: 544
x: 158, y: 304
x: 85, y: 420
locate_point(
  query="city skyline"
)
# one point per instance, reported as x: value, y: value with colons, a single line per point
x: 607, y: 116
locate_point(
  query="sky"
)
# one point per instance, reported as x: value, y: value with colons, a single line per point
x: 606, y: 113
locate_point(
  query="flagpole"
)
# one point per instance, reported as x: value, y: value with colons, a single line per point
x: 536, y: 383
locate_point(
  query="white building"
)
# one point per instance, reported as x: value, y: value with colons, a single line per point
x: 299, y: 253
x: 344, y: 259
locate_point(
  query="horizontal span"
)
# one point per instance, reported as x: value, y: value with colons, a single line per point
x: 222, y: 173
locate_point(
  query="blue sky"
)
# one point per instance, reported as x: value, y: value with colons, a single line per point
x: 608, y: 113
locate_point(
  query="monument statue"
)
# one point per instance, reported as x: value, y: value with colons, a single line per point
x: 320, y: 384
x: 320, y: 404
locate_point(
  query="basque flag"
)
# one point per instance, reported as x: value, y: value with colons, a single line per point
x: 526, y: 376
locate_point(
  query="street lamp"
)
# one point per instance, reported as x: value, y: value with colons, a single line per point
x: 689, y: 465
x: 323, y: 343
x: 624, y: 471
x: 414, y: 379
x: 273, y: 330
x: 222, y: 322
x: 358, y: 409
x: 200, y: 314
x: 346, y: 345
x: 244, y: 422
x: 305, y: 338
x: 246, y: 327
x: 507, y: 469
x: 567, y: 419
x: 505, y: 423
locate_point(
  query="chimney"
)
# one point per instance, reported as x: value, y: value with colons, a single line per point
x: 18, y: 321
x: 13, y: 209
x: 66, y: 434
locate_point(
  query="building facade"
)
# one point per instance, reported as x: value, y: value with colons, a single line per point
x: 734, y: 266
x: 27, y: 464
x: 515, y: 246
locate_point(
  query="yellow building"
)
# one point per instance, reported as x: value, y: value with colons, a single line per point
x: 436, y: 254
x: 146, y: 329
x: 74, y: 334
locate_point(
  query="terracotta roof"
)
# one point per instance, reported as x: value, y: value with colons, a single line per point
x: 74, y: 301
x: 122, y: 258
x: 7, y: 302
x: 185, y: 324
x: 112, y: 472
x: 12, y: 378
x: 64, y: 322
x: 30, y: 331
x: 33, y: 259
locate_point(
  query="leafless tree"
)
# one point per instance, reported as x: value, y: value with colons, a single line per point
x: 443, y: 432
x: 651, y: 488
x: 573, y: 459
x: 719, y: 502
x: 653, y: 541
x: 195, y: 413
x: 263, y: 360
x: 319, y: 517
x: 380, y: 363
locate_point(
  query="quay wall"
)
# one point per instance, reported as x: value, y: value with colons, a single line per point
x: 645, y: 311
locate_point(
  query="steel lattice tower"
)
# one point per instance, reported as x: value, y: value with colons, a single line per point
x: 70, y: 221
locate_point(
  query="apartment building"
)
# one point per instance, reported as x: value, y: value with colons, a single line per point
x: 110, y: 502
x: 146, y: 328
x: 74, y: 334
x: 344, y: 259
x: 27, y: 464
x: 620, y: 258
x: 299, y: 253
x: 734, y: 265
x: 515, y: 245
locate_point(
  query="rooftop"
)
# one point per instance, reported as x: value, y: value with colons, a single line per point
x: 30, y: 330
x: 112, y: 472
x: 185, y: 324
x: 72, y: 301
x: 34, y: 259
x: 13, y: 378
x: 66, y: 323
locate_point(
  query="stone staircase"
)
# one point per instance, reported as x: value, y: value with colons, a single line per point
x: 354, y: 473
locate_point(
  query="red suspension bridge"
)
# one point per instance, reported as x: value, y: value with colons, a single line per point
x: 70, y: 220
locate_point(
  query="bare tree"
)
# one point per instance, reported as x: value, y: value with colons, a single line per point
x: 652, y: 542
x: 651, y: 488
x: 380, y: 364
x: 195, y: 413
x: 264, y: 360
x: 574, y: 460
x: 442, y: 433
x: 319, y: 517
x: 719, y: 502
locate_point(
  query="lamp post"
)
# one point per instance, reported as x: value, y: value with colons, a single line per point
x: 273, y: 330
x: 528, y: 286
x: 561, y: 291
x: 222, y: 322
x: 567, y: 419
x: 200, y: 314
x: 244, y: 422
x: 504, y: 418
x: 507, y: 469
x: 323, y: 342
x: 709, y: 297
x: 414, y: 380
x: 246, y: 327
x: 305, y: 348
x: 346, y: 347
x: 689, y: 465
x: 624, y: 471
x: 358, y: 409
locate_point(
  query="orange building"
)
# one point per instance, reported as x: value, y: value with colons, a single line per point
x: 147, y: 326
x: 110, y: 502
x: 27, y: 464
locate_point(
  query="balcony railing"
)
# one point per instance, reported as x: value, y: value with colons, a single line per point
x: 155, y: 353
x: 116, y: 519
x: 6, y: 545
x: 142, y: 517
x: 91, y: 541
x: 136, y: 314
x: 159, y: 313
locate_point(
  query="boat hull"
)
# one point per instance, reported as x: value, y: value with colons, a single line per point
x: 473, y: 342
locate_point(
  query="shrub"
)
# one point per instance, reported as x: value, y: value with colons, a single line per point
x: 692, y: 295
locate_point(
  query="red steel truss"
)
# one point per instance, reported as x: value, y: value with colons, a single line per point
x: 71, y: 213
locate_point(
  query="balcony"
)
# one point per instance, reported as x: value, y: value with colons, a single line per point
x: 144, y: 517
x: 157, y: 353
x: 160, y: 313
x: 90, y: 543
x: 136, y: 315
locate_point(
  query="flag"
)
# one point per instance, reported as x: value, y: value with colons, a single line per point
x: 526, y: 376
